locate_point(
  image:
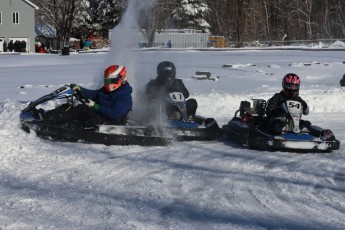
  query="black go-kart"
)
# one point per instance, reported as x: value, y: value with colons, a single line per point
x: 131, y: 133
x: 249, y: 128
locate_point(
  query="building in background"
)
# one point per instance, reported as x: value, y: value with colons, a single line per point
x: 17, y: 22
x: 182, y: 38
x: 46, y: 40
x: 179, y: 38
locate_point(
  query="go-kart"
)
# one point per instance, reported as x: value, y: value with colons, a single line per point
x: 249, y: 127
x: 109, y: 134
x: 183, y: 128
x: 130, y: 133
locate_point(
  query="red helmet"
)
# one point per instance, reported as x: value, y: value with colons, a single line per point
x: 114, y: 77
x: 291, y: 84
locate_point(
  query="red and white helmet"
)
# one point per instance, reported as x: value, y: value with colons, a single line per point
x: 291, y: 83
x: 114, y: 77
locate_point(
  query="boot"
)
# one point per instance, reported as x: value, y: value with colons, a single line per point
x: 38, y: 114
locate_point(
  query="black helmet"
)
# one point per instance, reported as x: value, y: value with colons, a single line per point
x: 342, y: 81
x: 291, y: 84
x: 166, y: 72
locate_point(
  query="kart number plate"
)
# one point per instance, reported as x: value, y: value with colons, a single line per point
x: 176, y: 96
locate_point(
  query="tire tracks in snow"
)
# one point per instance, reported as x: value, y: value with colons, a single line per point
x: 283, y: 205
x: 265, y: 206
x: 310, y: 199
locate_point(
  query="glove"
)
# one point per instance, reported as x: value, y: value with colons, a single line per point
x: 91, y: 104
x: 75, y: 87
x: 305, y: 110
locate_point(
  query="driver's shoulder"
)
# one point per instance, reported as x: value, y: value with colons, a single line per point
x: 277, y: 97
x: 178, y: 81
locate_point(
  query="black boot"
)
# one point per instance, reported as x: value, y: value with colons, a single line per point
x: 38, y: 114
x: 276, y: 127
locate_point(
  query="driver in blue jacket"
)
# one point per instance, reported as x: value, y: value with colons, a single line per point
x: 165, y: 83
x: 109, y: 104
x: 274, y: 110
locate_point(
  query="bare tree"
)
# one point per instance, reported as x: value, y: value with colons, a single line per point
x: 241, y: 7
x: 153, y: 16
x: 222, y: 19
x: 61, y: 14
x: 239, y: 21
x: 284, y: 18
x: 257, y: 26
x: 304, y: 10
x: 339, y: 17
x: 266, y: 5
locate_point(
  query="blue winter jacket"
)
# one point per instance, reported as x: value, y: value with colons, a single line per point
x: 113, y: 105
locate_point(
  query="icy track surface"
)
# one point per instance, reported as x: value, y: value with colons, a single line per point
x: 189, y: 185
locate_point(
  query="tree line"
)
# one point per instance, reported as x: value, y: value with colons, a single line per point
x: 266, y: 20
x: 239, y: 21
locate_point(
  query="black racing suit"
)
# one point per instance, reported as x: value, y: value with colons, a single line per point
x: 276, y: 114
x: 156, y: 90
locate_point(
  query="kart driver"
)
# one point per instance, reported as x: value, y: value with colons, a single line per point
x: 165, y: 83
x: 109, y: 104
x: 274, y: 110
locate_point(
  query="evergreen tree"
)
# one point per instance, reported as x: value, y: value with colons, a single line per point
x: 191, y: 14
x: 110, y: 12
x: 99, y: 16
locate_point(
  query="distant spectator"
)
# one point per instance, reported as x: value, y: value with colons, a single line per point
x: 87, y: 44
x: 81, y: 43
x: 10, y: 46
x: 23, y: 46
x: 169, y: 44
x: 48, y: 45
x: 38, y: 47
x: 91, y: 36
x: 75, y: 45
x: 93, y: 44
x: 17, y: 46
x: 4, y: 46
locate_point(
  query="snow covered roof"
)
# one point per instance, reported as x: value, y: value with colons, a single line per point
x: 33, y: 5
x: 45, y: 30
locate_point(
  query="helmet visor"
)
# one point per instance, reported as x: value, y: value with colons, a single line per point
x: 111, y: 84
x: 112, y: 80
x: 291, y: 86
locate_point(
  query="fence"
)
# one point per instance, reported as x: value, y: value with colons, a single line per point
x: 322, y: 43
x: 195, y: 39
x: 182, y: 40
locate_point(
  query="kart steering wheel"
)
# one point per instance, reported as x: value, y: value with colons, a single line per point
x: 80, y: 97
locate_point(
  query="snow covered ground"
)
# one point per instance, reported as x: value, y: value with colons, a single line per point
x: 189, y: 185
